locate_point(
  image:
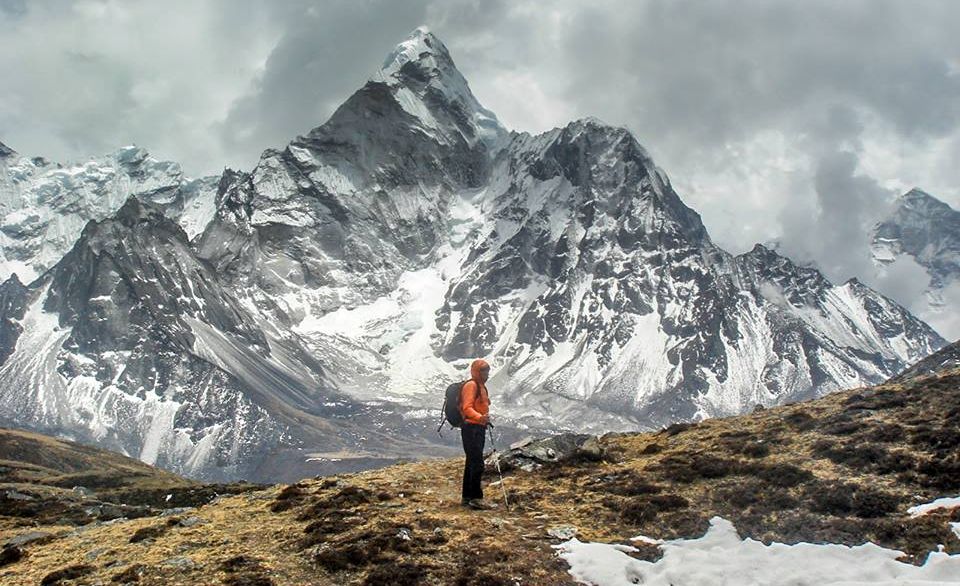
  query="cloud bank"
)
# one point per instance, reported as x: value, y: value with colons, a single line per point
x: 784, y: 122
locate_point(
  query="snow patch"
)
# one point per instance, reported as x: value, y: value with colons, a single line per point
x: 938, y: 504
x: 720, y: 557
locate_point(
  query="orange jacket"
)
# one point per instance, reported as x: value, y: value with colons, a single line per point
x: 474, y: 400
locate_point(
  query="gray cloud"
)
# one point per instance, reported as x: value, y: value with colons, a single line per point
x: 944, y: 318
x: 324, y: 55
x: 13, y: 8
x: 906, y: 279
x: 84, y: 78
x: 785, y: 121
x: 833, y: 230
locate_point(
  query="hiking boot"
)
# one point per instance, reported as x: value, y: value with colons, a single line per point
x: 480, y: 505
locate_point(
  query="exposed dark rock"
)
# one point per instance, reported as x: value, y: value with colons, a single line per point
x: 131, y: 574
x: 28, y: 537
x: 65, y: 575
x: 531, y: 454
x: 10, y: 554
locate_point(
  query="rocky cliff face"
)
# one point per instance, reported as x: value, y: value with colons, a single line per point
x: 342, y: 283
x: 942, y: 361
x: 125, y: 341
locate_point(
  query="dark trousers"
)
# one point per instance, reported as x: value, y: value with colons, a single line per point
x: 473, y: 437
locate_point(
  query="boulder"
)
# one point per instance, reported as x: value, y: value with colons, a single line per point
x: 530, y: 454
x: 10, y: 554
x: 563, y: 532
x: 24, y: 538
x: 18, y: 496
x: 180, y: 563
x: 192, y: 522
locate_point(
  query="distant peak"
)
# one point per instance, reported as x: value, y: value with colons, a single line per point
x: 918, y: 201
x: 916, y: 193
x: 766, y: 250
x: 131, y: 154
x: 6, y: 151
x: 591, y: 121
x: 135, y: 210
x: 592, y: 124
x: 592, y: 128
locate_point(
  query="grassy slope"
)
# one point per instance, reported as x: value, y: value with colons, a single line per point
x: 841, y: 469
x: 38, y: 474
x: 33, y: 458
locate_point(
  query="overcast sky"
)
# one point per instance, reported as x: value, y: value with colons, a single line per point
x: 794, y: 122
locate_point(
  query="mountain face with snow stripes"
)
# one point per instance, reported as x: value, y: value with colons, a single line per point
x: 335, y: 290
x: 620, y: 303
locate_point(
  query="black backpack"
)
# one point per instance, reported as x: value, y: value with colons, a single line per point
x: 450, y: 412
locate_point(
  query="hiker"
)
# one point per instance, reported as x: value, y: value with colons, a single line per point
x: 475, y: 409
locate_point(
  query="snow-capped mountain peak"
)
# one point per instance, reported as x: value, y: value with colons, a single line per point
x: 924, y: 230
x: 421, y: 47
x: 919, y: 197
x: 423, y: 78
x: 45, y: 205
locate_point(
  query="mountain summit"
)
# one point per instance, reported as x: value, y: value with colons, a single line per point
x: 423, y: 77
x: 421, y: 49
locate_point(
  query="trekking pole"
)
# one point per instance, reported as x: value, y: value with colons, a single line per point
x: 497, y: 461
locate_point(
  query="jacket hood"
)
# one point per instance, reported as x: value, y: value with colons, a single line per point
x: 475, y: 367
